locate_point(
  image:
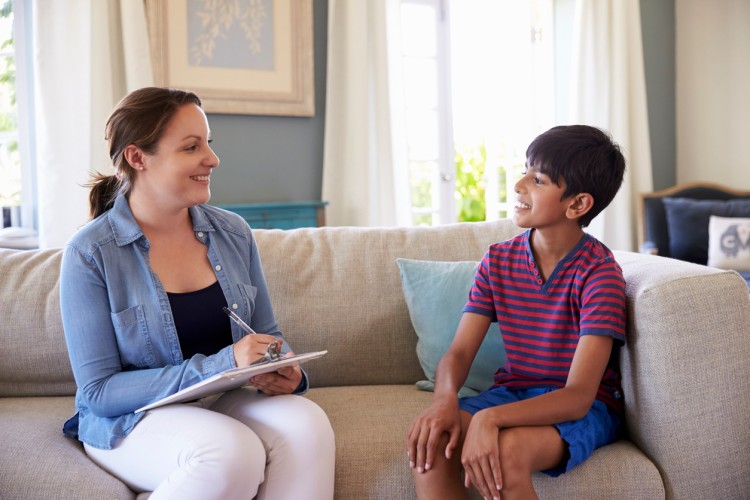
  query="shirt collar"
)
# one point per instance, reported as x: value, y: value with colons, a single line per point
x: 126, y: 228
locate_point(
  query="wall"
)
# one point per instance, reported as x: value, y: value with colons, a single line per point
x: 273, y: 158
x: 658, y: 32
x: 713, y: 102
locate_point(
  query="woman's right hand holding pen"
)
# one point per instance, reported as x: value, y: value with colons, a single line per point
x: 251, y: 348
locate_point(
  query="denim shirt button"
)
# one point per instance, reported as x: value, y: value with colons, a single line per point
x: 200, y: 234
x: 218, y: 268
x: 234, y: 306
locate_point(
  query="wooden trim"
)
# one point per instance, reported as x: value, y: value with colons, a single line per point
x: 693, y: 185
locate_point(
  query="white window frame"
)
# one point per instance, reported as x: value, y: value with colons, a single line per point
x: 442, y: 209
x: 22, y: 12
x: 542, y: 112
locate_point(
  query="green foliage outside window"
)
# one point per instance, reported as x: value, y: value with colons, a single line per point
x: 471, y: 165
x: 10, y: 172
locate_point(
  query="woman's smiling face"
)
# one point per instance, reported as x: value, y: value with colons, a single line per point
x: 179, y: 172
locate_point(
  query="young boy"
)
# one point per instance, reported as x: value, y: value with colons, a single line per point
x: 559, y: 298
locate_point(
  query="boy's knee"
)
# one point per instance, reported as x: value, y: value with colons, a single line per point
x: 514, y: 458
x: 524, y: 450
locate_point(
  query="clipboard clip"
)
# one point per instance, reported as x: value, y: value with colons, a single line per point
x: 273, y: 353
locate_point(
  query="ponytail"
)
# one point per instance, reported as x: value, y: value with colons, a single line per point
x: 104, y: 190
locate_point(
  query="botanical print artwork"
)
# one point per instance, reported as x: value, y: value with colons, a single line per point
x: 231, y: 33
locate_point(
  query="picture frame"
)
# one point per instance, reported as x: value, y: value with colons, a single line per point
x: 253, y: 57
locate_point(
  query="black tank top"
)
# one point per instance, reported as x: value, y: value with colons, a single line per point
x: 202, y: 327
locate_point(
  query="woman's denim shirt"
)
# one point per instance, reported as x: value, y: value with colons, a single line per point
x: 119, y: 328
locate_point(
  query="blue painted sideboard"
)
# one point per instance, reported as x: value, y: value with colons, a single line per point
x: 281, y: 215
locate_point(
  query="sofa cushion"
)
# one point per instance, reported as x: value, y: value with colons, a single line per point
x: 38, y: 461
x: 435, y: 294
x: 34, y: 356
x: 729, y: 243
x: 370, y: 424
x: 687, y: 220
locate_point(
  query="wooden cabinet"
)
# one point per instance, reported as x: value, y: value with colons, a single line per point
x: 281, y: 215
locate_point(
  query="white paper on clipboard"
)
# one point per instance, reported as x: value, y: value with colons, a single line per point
x: 229, y: 379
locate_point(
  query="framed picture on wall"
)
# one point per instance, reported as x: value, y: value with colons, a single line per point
x: 241, y: 57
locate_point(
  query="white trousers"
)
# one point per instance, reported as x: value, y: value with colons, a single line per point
x: 238, y: 446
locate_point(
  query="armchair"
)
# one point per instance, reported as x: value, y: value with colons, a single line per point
x: 674, y: 222
x: 654, y: 233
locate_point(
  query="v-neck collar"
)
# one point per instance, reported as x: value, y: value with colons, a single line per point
x: 535, y: 274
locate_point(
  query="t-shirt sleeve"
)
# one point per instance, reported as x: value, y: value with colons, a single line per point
x: 603, y: 302
x: 480, y: 299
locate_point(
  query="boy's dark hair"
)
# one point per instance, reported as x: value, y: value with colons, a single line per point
x: 587, y: 160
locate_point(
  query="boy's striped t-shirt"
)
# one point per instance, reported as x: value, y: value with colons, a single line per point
x: 541, y: 321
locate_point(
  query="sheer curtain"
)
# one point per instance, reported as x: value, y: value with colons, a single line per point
x: 88, y: 55
x: 608, y: 90
x: 359, y: 180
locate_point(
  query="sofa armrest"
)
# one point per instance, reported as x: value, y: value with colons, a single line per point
x: 686, y: 375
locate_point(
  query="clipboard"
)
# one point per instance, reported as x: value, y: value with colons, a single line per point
x: 229, y: 379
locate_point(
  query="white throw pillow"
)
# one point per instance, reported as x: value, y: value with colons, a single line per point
x: 729, y: 243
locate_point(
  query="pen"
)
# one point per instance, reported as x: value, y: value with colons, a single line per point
x: 238, y: 320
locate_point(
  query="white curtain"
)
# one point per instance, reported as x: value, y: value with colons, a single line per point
x: 359, y: 181
x: 87, y: 55
x: 609, y: 91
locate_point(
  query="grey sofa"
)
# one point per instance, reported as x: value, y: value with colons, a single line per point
x: 686, y: 368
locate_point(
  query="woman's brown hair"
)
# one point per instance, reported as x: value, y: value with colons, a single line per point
x: 140, y: 118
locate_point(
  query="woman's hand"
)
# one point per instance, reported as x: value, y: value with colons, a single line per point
x: 283, y: 381
x: 427, y: 429
x: 480, y: 456
x: 251, y: 348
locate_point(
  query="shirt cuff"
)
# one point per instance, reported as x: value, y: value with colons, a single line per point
x: 303, y: 384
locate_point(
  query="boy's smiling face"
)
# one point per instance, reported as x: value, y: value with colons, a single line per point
x: 539, y: 200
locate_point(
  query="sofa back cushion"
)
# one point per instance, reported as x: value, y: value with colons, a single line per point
x: 32, y: 344
x: 339, y: 288
x: 332, y: 288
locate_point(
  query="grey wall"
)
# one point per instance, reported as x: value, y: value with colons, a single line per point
x: 658, y: 26
x: 273, y: 158
x: 280, y: 159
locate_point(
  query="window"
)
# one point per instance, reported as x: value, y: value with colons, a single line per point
x: 476, y: 84
x: 17, y: 179
x: 10, y: 162
x: 424, y: 95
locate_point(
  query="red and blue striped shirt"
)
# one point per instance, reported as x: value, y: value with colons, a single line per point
x: 541, y: 321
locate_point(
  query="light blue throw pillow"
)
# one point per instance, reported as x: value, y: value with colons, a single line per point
x: 435, y: 294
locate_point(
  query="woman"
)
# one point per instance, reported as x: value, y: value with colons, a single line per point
x: 142, y: 290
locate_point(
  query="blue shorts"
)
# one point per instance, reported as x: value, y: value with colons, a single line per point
x: 600, y: 426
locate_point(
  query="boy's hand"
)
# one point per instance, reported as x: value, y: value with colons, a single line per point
x: 426, y: 430
x: 480, y: 456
